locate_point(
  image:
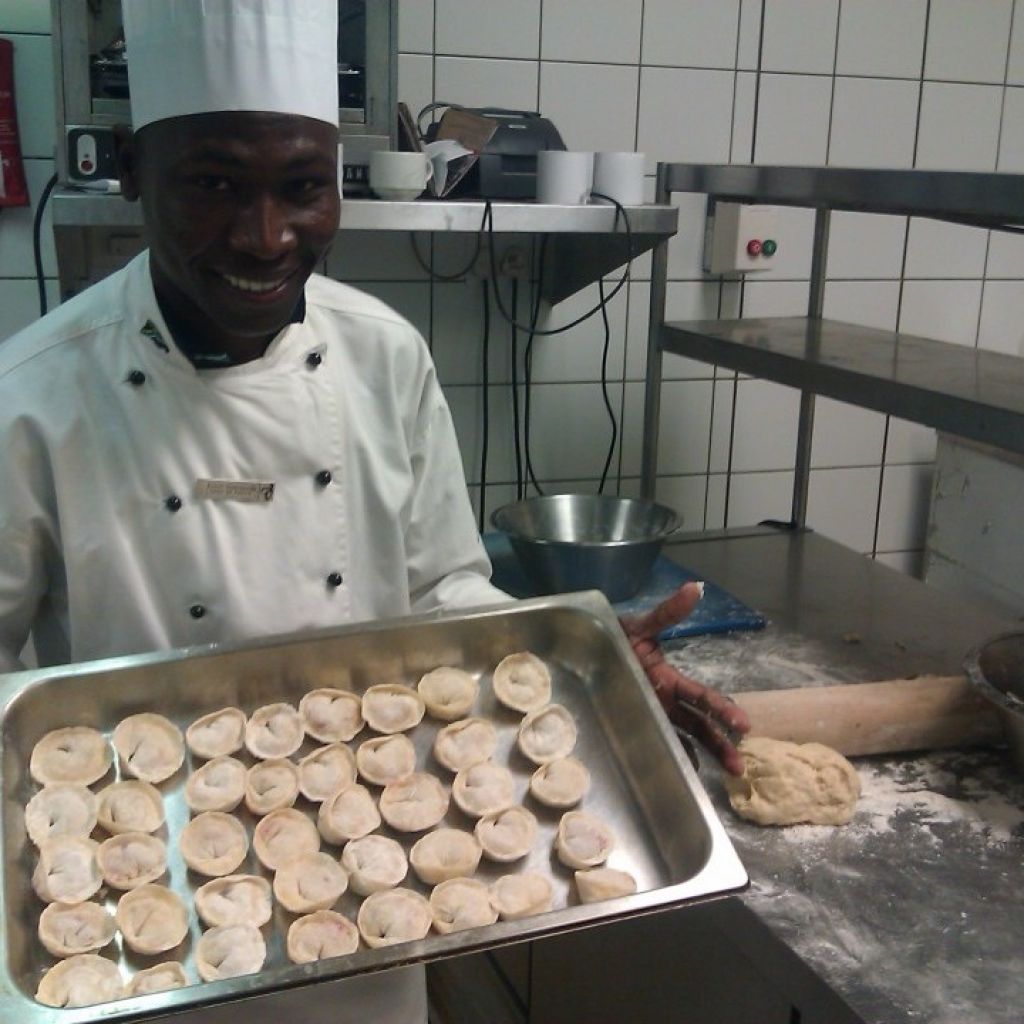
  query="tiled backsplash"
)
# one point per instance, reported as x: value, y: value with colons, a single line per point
x: 919, y: 83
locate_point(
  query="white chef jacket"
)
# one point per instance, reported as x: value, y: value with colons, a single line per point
x: 106, y: 430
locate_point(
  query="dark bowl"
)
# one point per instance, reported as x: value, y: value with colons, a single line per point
x: 996, y: 669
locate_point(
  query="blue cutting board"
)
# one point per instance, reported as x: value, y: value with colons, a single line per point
x: 718, y: 612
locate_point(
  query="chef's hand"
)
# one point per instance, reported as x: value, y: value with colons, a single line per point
x: 680, y: 695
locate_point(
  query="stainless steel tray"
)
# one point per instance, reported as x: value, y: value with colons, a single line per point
x: 668, y: 835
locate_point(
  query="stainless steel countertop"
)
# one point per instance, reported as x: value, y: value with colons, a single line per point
x: 912, y: 912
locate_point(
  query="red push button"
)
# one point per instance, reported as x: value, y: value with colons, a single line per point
x: 754, y: 247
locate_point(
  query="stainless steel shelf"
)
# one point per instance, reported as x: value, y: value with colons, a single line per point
x: 964, y: 391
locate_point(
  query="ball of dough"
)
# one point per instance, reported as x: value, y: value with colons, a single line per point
x: 789, y: 783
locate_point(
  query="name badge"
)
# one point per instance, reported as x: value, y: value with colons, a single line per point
x: 252, y: 491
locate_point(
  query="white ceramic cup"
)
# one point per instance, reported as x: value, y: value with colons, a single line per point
x: 619, y: 176
x: 563, y: 177
x: 399, y: 175
x: 341, y: 168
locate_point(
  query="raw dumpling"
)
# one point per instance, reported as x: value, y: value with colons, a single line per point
x: 393, y: 916
x: 214, y: 843
x: 464, y: 743
x: 330, y: 715
x: 152, y: 919
x: 326, y: 770
x: 560, y: 783
x: 283, y: 835
x: 61, y: 809
x: 508, y: 834
x: 448, y: 693
x: 131, y: 859
x: 385, y: 759
x: 374, y: 863
x: 235, y: 899
x: 461, y: 903
x: 67, y: 929
x: 547, y: 734
x: 80, y: 981
x: 350, y: 813
x: 271, y: 785
x: 522, y: 682
x: 150, y: 746
x: 275, y: 730
x: 320, y: 935
x: 132, y: 806
x: 77, y: 754
x: 522, y: 895
x: 443, y: 854
x: 67, y: 871
x: 218, y: 785
x: 313, y: 881
x: 603, y: 884
x: 161, y: 978
x: 217, y: 734
x: 484, y: 788
x: 415, y: 803
x: 230, y: 951
x: 583, y: 841
x: 391, y: 708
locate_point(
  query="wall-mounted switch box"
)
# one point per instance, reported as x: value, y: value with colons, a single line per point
x: 739, y: 238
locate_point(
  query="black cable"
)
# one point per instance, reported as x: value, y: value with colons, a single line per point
x: 37, y: 242
x: 458, y: 275
x: 516, y: 437
x: 604, y: 386
x: 485, y: 435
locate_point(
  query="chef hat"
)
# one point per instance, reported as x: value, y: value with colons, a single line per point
x: 201, y: 56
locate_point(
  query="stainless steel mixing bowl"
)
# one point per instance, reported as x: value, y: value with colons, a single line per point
x: 569, y: 542
x: 996, y: 669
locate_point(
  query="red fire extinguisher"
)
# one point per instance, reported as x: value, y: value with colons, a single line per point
x: 13, y: 189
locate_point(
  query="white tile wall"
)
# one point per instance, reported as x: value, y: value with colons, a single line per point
x: 690, y: 80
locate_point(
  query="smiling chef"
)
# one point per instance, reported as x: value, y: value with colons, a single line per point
x: 215, y: 443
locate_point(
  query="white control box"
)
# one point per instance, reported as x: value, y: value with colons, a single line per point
x: 740, y: 239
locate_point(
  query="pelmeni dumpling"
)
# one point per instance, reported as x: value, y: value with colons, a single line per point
x: 271, y: 785
x: 312, y: 881
x: 443, y: 854
x: 522, y: 895
x: 159, y: 978
x: 374, y: 863
x: 150, y: 746
x: 349, y: 813
x: 61, y: 809
x: 560, y: 783
x: 448, y: 693
x: 322, y: 934
x: 547, y: 734
x: 214, y: 843
x: 326, y: 770
x: 603, y: 884
x: 461, y: 903
x: 385, y: 759
x: 393, y: 916
x: 465, y: 743
x: 217, y: 734
x: 391, y: 707
x: 282, y: 836
x: 230, y: 951
x: 507, y: 835
x: 415, y: 803
x: 76, y: 754
x: 130, y: 806
x: 235, y: 899
x: 330, y: 715
x: 218, y: 785
x: 131, y: 859
x: 82, y: 980
x: 484, y: 788
x: 583, y: 841
x: 522, y: 682
x: 274, y: 730
x: 67, y: 929
x: 152, y: 919
x: 67, y: 871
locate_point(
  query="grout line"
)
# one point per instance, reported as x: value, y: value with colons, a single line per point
x: 832, y: 92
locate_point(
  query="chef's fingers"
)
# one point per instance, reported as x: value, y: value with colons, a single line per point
x: 711, y: 737
x: 672, y: 610
x: 685, y: 690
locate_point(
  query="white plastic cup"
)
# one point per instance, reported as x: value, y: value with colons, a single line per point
x: 399, y: 176
x: 564, y: 178
x: 619, y: 176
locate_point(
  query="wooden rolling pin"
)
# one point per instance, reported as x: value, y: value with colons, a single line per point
x: 926, y: 713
